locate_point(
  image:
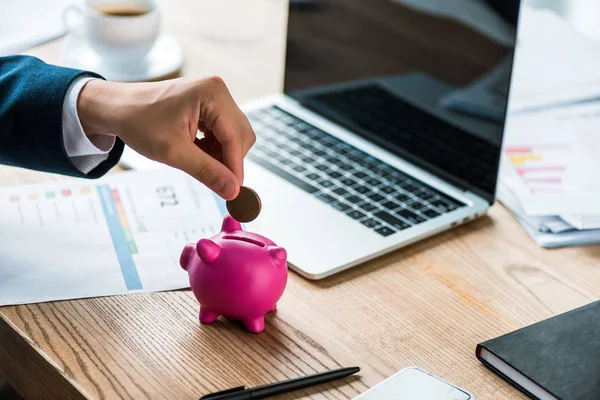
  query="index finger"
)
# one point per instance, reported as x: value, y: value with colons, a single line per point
x: 231, y: 136
x: 220, y: 114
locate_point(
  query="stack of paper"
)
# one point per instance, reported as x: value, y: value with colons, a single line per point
x: 551, y: 150
x: 549, y: 174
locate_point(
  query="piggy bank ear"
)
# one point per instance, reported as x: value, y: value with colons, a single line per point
x: 230, y: 225
x: 278, y: 254
x: 207, y: 250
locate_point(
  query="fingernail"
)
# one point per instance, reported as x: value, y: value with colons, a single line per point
x: 225, y: 189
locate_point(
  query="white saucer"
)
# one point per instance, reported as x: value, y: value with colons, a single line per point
x: 164, y: 59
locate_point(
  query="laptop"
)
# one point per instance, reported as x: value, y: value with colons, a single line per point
x: 363, y: 153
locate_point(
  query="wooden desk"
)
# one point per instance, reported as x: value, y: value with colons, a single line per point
x: 427, y: 305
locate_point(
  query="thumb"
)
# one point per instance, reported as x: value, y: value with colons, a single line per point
x: 191, y: 159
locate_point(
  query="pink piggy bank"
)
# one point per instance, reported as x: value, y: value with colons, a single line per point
x: 237, y: 274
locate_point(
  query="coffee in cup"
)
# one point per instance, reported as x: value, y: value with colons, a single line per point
x: 121, y: 11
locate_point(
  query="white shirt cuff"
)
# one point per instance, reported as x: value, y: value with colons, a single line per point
x: 86, y: 152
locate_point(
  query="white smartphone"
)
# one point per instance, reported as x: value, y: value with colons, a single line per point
x: 414, y: 383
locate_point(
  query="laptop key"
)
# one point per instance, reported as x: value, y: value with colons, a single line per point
x: 390, y: 219
x: 340, y: 191
x: 325, y: 183
x: 387, y: 189
x: 385, y: 231
x: 402, y: 198
x: 338, y: 205
x: 335, y: 175
x: 355, y: 214
x: 395, y: 180
x: 344, y: 166
x: 348, y: 182
x: 374, y: 182
x: 431, y: 213
x: 440, y: 205
x: 368, y: 207
x: 369, y: 223
x: 376, y: 197
x: 342, y: 150
x: 424, y: 195
x: 409, y: 187
x: 353, y: 199
x: 416, y: 205
x: 390, y: 205
x: 313, y: 177
x: 299, y: 168
x: 361, y: 189
x: 410, y: 216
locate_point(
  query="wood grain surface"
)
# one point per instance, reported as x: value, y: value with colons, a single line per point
x: 427, y: 305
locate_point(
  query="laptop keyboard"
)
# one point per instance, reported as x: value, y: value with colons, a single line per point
x: 364, y: 188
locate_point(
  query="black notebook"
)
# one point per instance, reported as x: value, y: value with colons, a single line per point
x: 558, y: 358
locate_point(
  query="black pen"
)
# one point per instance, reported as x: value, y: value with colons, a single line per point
x: 273, y: 389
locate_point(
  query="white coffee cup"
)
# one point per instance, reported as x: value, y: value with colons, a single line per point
x: 119, y: 31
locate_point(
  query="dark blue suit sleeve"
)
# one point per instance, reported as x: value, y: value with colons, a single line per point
x: 31, y: 102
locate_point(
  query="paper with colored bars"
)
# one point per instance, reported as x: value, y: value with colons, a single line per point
x: 86, y: 238
x: 551, y: 160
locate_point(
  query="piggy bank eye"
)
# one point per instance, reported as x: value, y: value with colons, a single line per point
x: 244, y: 239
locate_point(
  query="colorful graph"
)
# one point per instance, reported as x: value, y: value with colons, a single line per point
x: 47, y: 195
x: 541, y: 166
x: 124, y: 221
x: 121, y: 235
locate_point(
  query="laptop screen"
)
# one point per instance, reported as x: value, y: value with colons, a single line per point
x: 425, y: 79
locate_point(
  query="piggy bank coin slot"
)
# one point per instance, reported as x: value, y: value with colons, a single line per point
x: 245, y: 239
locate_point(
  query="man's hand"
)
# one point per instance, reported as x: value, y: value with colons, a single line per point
x: 160, y: 121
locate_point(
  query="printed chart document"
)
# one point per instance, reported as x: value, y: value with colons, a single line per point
x: 85, y: 238
x: 550, y: 160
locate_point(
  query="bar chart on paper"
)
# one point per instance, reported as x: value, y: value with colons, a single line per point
x: 122, y: 234
x: 550, y: 163
x: 542, y: 167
